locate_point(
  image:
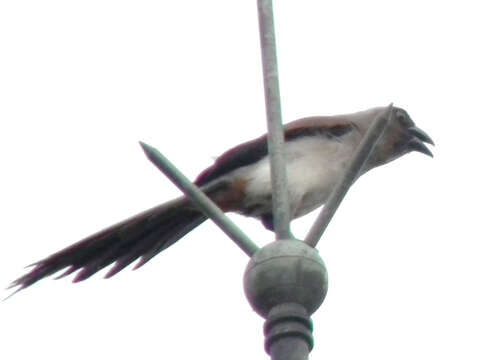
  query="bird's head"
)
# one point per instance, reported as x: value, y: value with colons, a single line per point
x: 400, y: 137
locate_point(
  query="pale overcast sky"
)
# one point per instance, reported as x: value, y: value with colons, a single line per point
x: 82, y: 82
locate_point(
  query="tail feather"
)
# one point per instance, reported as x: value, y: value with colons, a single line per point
x: 158, y: 247
x: 150, y: 247
x: 142, y: 236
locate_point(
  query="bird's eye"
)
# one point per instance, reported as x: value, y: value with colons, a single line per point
x: 403, y: 118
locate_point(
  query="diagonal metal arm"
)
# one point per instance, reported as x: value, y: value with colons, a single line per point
x: 278, y: 173
x: 356, y: 164
x: 200, y: 199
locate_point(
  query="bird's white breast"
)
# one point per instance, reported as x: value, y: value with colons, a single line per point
x: 314, y: 164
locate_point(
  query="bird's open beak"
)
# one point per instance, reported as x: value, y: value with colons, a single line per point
x: 419, y: 137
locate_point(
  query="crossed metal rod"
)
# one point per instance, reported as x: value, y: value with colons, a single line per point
x: 293, y: 324
x: 281, y: 207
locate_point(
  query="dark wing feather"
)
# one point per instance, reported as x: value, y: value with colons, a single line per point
x: 241, y: 155
x: 254, y: 150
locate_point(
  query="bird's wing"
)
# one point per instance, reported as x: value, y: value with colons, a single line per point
x: 241, y: 155
x: 254, y: 150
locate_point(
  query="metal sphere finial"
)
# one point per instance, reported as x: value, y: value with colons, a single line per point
x: 285, y: 271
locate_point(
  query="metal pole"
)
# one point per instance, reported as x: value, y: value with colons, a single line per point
x: 356, y: 164
x: 200, y: 199
x: 281, y: 206
x: 288, y: 332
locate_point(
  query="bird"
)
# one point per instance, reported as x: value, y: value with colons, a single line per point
x: 317, y: 151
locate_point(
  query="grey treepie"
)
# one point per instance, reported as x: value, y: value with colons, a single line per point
x: 317, y: 151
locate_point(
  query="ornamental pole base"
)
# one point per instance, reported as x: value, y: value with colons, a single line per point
x: 285, y: 282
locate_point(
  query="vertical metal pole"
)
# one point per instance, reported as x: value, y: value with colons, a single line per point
x: 281, y: 206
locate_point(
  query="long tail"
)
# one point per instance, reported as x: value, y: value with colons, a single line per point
x: 141, y: 236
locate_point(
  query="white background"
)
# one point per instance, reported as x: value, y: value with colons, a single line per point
x: 82, y: 81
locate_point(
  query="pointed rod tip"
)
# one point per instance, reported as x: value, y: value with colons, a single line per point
x: 144, y: 146
x: 147, y: 149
